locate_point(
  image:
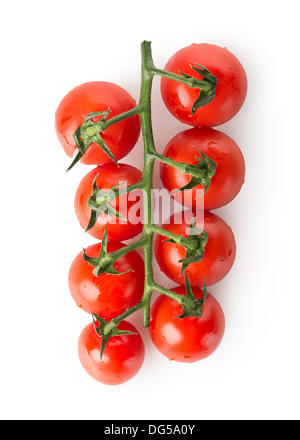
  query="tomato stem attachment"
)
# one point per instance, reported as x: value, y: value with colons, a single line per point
x: 201, y: 173
x: 104, y: 263
x: 99, y: 202
x: 190, y: 81
x: 103, y: 124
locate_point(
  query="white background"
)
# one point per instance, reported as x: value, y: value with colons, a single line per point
x: 47, y: 48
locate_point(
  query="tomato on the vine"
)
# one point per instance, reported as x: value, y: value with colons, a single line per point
x: 228, y: 179
x: 107, y: 295
x: 92, y: 97
x: 122, y: 359
x: 220, y: 250
x: 127, y: 205
x: 230, y: 91
x: 190, y: 339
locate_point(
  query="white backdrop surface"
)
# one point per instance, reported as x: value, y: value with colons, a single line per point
x: 47, y: 49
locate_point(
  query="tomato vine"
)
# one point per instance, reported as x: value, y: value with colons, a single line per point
x: 98, y: 123
x: 99, y: 202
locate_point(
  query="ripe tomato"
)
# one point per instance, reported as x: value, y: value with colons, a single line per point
x: 220, y: 250
x: 128, y: 205
x: 228, y: 178
x: 230, y: 92
x: 107, y: 295
x: 122, y: 359
x: 92, y: 97
x: 190, y: 339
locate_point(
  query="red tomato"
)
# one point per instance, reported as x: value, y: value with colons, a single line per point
x: 122, y: 359
x: 190, y: 339
x: 92, y: 97
x: 220, y: 250
x: 230, y: 92
x: 107, y: 295
x: 228, y: 178
x: 128, y: 205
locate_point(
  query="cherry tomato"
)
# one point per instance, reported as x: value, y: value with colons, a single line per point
x: 107, y: 295
x: 128, y: 205
x: 122, y: 359
x: 220, y: 250
x: 227, y: 180
x: 230, y: 91
x: 190, y: 339
x: 92, y: 97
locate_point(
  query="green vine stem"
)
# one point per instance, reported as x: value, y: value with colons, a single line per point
x: 205, y: 169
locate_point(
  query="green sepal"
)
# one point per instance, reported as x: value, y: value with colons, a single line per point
x: 192, y: 184
x: 199, y: 303
x: 88, y: 133
x: 195, y: 245
x: 207, y: 93
x: 78, y: 141
x: 104, y: 262
x: 75, y: 161
x: 96, y: 138
x: 202, y: 173
x: 106, y: 337
x: 196, y: 249
x: 99, y: 202
x: 205, y: 97
x: 104, y: 115
x: 93, y: 220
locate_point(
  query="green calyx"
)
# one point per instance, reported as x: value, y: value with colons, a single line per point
x: 105, y: 260
x: 88, y: 133
x: 202, y: 172
x: 100, y: 325
x: 207, y: 86
x: 197, y: 311
x: 195, y: 245
x: 99, y: 202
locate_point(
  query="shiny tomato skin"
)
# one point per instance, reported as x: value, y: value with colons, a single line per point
x: 231, y: 89
x: 107, y: 295
x: 122, y: 359
x: 97, y: 96
x: 228, y: 178
x: 220, y: 250
x: 190, y: 339
x: 109, y: 176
